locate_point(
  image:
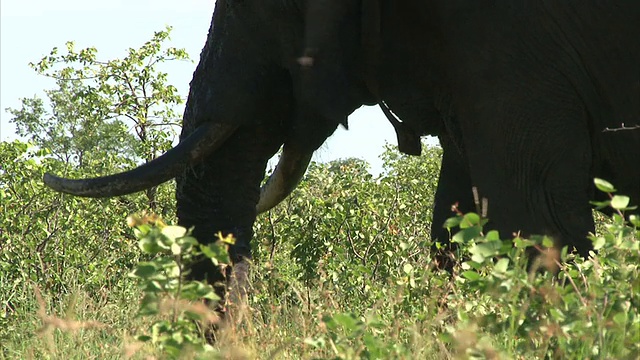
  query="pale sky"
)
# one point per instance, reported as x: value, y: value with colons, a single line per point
x: 29, y: 29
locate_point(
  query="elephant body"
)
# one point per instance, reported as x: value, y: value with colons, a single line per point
x: 525, y: 91
x: 571, y: 76
x: 520, y: 94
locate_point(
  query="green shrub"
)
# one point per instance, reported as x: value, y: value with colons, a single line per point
x: 181, y: 315
x: 342, y: 270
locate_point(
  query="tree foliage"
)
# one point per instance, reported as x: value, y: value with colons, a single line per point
x: 104, y: 115
x: 101, y: 117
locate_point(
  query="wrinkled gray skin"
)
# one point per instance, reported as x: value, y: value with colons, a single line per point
x: 519, y: 93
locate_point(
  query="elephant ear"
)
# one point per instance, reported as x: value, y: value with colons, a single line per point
x: 345, y: 31
x: 324, y: 22
x: 339, y: 69
x: 330, y: 83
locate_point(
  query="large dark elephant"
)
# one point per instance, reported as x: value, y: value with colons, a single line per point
x: 520, y: 94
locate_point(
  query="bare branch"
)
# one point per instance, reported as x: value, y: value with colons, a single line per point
x: 621, y: 128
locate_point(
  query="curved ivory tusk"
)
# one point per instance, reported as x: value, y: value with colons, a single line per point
x: 202, y: 142
x: 285, y: 178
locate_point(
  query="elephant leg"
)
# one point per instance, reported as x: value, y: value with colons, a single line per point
x: 618, y: 164
x: 531, y: 159
x: 220, y: 195
x: 454, y: 188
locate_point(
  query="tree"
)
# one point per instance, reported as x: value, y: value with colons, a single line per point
x: 104, y: 115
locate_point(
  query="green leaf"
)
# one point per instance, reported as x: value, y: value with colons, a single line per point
x: 141, y: 230
x: 600, y: 204
x: 174, y: 232
x: 486, y: 249
x: 620, y: 202
x: 196, y: 290
x: 604, y: 185
x: 466, y: 235
x: 217, y: 253
x: 407, y: 268
x: 473, y: 264
x: 469, y: 220
x: 478, y: 259
x: 493, y: 235
x: 557, y: 314
x: 143, y: 338
x: 599, y: 242
x: 547, y: 242
x: 523, y: 243
x: 149, y: 245
x: 471, y: 275
x: 154, y: 286
x: 149, y: 305
x: 620, y: 319
x: 348, y: 321
x: 176, y: 249
x: 375, y: 347
x: 502, y: 265
x: 317, y: 343
x: 450, y: 223
x: 145, y: 270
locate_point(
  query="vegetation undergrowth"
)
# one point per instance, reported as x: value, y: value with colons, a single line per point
x: 343, y: 272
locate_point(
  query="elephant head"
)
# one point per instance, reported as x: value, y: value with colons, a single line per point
x: 249, y: 97
x: 329, y: 59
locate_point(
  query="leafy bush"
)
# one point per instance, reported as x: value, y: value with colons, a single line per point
x: 70, y: 247
x: 342, y: 270
x: 496, y: 304
x: 349, y: 228
x: 183, y: 317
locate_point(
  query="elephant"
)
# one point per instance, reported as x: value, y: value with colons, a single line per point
x: 530, y: 100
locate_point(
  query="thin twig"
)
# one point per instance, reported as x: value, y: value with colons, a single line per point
x: 622, y: 128
x: 353, y: 248
x: 273, y: 237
